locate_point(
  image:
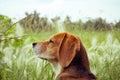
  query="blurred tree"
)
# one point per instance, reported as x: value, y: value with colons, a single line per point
x: 89, y: 25
x: 117, y: 25
x: 34, y: 22
x: 68, y: 23
x: 80, y: 24
x: 101, y: 24
x: 55, y: 20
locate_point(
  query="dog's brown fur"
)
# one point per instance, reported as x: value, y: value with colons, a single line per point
x: 67, y: 51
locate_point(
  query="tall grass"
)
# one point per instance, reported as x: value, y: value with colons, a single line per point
x: 19, y: 62
x: 105, y: 59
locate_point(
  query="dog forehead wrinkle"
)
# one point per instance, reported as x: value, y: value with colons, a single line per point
x: 58, y: 35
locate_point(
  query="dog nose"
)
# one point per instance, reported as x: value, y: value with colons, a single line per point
x: 34, y: 44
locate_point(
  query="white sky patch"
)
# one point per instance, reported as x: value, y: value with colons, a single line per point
x: 76, y: 9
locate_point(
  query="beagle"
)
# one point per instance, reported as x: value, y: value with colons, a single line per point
x: 67, y: 55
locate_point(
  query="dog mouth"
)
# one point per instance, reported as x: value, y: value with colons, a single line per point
x: 43, y: 58
x: 42, y: 55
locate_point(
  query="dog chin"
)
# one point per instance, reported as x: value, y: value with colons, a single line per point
x: 44, y: 57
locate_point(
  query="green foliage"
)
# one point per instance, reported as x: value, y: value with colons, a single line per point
x: 9, y: 40
x: 6, y: 28
x: 18, y: 62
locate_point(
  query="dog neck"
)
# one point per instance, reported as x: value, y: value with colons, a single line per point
x: 56, y: 67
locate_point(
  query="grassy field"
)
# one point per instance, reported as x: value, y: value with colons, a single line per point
x: 18, y: 62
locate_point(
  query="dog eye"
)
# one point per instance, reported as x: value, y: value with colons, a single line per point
x: 51, y: 41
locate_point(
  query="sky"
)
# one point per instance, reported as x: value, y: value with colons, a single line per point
x: 76, y: 9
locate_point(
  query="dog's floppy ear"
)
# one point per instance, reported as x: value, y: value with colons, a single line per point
x: 68, y: 49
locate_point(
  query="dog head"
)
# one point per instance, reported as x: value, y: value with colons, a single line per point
x: 61, y: 48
